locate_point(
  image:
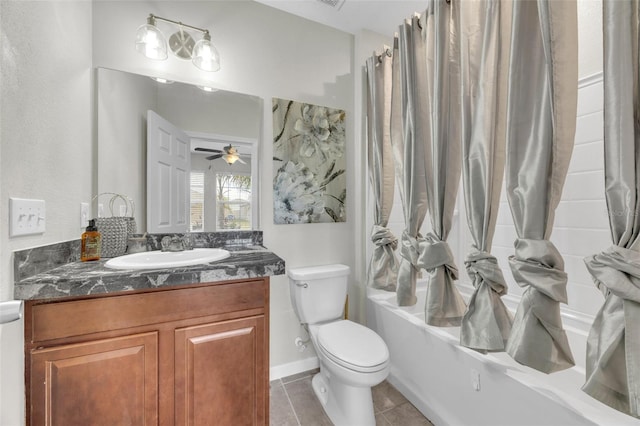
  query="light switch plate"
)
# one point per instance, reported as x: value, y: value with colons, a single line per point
x: 84, y: 215
x: 26, y: 217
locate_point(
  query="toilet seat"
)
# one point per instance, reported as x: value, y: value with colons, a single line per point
x: 353, y: 346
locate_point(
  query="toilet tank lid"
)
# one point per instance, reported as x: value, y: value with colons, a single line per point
x: 315, y: 272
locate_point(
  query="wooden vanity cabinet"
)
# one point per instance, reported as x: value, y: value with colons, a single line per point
x: 193, y: 355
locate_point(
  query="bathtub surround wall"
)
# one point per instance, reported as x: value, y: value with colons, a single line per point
x: 613, y: 350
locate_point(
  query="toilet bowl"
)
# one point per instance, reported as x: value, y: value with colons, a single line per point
x: 353, y: 358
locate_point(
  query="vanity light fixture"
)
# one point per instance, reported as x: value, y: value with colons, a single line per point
x: 151, y: 43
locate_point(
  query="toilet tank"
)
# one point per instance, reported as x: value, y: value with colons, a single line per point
x: 318, y: 293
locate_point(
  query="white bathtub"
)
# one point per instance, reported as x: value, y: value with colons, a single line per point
x: 437, y: 375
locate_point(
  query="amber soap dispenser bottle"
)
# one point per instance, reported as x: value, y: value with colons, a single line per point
x: 91, y: 243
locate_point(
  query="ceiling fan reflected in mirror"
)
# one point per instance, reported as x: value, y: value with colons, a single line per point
x: 229, y: 154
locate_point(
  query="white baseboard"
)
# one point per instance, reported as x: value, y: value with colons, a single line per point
x: 291, y: 368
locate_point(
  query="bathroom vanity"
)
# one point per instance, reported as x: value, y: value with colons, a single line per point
x: 179, y: 356
x: 171, y: 347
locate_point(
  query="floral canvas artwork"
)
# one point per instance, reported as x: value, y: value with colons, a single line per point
x: 309, y: 181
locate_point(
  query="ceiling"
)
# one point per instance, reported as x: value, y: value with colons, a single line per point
x: 352, y: 16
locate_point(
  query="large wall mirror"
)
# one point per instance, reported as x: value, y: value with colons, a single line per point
x: 216, y: 128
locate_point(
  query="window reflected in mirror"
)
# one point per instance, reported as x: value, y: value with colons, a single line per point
x: 197, y: 202
x: 233, y: 201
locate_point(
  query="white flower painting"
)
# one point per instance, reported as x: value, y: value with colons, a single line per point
x: 309, y: 181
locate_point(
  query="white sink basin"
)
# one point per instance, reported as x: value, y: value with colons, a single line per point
x: 167, y: 259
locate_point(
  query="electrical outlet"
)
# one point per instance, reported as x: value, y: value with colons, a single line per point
x: 475, y: 380
x: 26, y: 217
x: 84, y: 215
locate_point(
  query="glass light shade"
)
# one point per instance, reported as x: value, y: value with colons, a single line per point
x: 231, y: 158
x: 207, y: 89
x: 205, y: 55
x: 161, y: 80
x: 151, y: 42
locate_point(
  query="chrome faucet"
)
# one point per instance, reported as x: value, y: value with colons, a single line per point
x: 176, y: 243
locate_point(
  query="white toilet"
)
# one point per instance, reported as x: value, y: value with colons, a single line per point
x: 353, y: 358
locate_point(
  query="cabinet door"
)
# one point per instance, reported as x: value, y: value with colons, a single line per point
x: 221, y: 373
x: 102, y: 382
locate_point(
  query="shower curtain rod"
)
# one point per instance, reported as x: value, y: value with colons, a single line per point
x: 395, y: 41
x: 387, y: 52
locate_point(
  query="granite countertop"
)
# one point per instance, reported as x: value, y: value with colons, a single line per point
x: 93, y: 278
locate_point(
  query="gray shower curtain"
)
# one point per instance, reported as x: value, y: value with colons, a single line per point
x: 444, y: 306
x: 383, y: 267
x: 613, y: 345
x: 415, y: 131
x: 542, y: 105
x: 484, y: 58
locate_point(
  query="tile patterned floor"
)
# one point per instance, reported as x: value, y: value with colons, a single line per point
x: 293, y: 403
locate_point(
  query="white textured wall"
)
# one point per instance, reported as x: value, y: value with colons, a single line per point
x: 266, y: 53
x: 47, y: 150
x: 122, y: 154
x: 48, y: 141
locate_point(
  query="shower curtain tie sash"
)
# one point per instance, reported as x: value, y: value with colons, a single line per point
x: 382, y: 236
x: 616, y: 270
x: 538, y: 264
x: 435, y: 253
x: 484, y: 265
x: 411, y: 247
